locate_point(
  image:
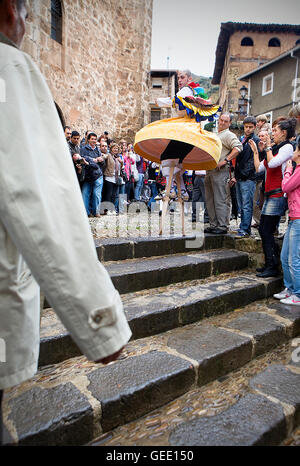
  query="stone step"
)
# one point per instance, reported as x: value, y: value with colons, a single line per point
x: 72, y: 402
x: 158, y: 310
x: 139, y: 274
x: 116, y: 249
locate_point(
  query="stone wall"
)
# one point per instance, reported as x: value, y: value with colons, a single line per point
x: 99, y: 76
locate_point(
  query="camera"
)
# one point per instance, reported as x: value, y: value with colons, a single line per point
x: 80, y: 161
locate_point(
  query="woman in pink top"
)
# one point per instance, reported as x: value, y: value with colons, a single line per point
x: 129, y: 161
x: 290, y: 252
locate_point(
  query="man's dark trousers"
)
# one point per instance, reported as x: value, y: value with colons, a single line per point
x: 198, y: 196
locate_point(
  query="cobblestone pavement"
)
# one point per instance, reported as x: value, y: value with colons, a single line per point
x: 293, y: 440
x: 139, y: 222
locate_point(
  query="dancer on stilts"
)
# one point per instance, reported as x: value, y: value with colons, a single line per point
x: 180, y: 143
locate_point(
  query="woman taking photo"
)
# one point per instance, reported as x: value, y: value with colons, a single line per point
x: 275, y: 204
x: 290, y: 252
x: 111, y: 175
x: 129, y: 162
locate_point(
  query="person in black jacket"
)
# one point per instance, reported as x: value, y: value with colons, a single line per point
x: 78, y: 161
x: 245, y: 175
x: 93, y: 180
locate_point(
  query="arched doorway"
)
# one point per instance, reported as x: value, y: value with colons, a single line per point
x: 61, y: 115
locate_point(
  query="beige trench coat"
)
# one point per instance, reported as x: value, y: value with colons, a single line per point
x: 45, y: 237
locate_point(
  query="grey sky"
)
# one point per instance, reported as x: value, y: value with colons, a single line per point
x: 187, y: 30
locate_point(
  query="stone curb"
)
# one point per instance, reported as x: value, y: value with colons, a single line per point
x: 134, y: 386
x: 156, y: 314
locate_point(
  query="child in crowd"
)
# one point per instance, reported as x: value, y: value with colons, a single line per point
x: 290, y: 253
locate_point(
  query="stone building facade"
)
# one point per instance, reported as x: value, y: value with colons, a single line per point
x: 274, y: 87
x: 95, y: 55
x: 243, y: 47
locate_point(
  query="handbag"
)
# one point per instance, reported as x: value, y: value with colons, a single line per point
x: 135, y: 173
x: 124, y: 176
x: 119, y: 180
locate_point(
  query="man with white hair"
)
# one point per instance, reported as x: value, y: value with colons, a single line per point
x: 217, y: 189
x: 40, y: 243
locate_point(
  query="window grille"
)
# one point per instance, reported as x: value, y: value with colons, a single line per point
x: 56, y: 21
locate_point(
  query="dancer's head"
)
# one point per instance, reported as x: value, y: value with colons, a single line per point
x: 184, y: 78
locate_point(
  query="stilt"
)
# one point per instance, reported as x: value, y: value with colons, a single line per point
x: 181, y: 201
x: 166, y: 200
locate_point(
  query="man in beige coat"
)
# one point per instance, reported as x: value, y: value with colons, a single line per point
x: 45, y: 238
x: 217, y: 190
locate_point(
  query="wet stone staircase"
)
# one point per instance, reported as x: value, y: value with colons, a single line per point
x: 198, y: 317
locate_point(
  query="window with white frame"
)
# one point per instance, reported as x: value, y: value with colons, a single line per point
x: 269, y: 115
x: 267, y: 84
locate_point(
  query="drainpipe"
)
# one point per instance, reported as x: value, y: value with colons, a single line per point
x: 296, y: 78
x: 249, y: 94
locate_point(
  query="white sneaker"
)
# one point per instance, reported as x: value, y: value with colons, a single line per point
x: 293, y: 299
x: 283, y: 294
x: 160, y: 196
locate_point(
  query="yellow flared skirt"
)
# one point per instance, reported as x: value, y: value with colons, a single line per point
x: 151, y: 141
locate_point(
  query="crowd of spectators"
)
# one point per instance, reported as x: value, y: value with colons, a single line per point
x: 111, y: 175
x: 247, y: 183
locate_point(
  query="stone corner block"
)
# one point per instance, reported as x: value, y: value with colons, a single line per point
x: 217, y: 351
x: 280, y: 382
x: 60, y: 415
x: 266, y: 330
x: 135, y: 386
x: 253, y: 420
